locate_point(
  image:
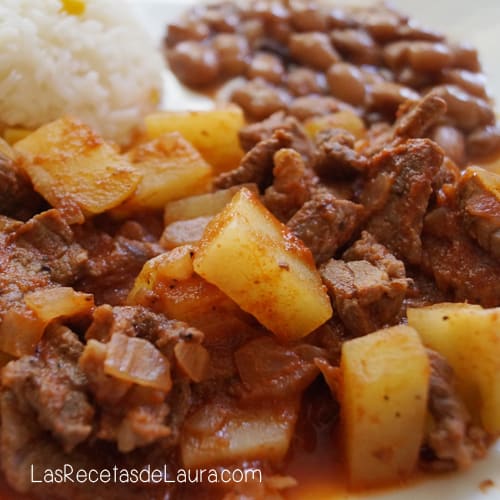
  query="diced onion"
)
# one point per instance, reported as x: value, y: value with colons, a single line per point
x: 193, y: 360
x: 20, y: 332
x: 138, y: 361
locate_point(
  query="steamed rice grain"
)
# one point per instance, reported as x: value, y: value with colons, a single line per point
x: 99, y: 66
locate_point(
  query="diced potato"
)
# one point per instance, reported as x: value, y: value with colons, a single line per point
x: 13, y: 135
x: 383, y: 399
x: 167, y: 284
x: 215, y: 437
x: 213, y: 133
x: 468, y: 336
x: 346, y: 120
x: 259, y: 263
x: 74, y: 169
x: 184, y: 232
x: 171, y: 168
x: 202, y: 205
x: 58, y: 302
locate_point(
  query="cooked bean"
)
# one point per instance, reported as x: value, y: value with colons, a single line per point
x: 266, y: 66
x: 338, y: 18
x: 194, y: 63
x: 381, y: 22
x: 260, y: 99
x: 465, y: 111
x: 281, y: 31
x: 304, y: 81
x: 387, y: 96
x: 452, y: 141
x: 232, y: 51
x: 411, y: 78
x: 347, y: 83
x: 429, y: 56
x: 186, y: 30
x: 484, y: 141
x: 306, y: 16
x: 223, y: 17
x: 395, y: 54
x: 313, y: 49
x: 252, y: 30
x: 473, y: 83
x: 466, y: 57
x: 357, y: 45
x: 315, y: 105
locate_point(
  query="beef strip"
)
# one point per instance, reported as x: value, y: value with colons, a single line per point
x: 479, y: 199
x: 325, y: 223
x: 368, y: 287
x: 335, y: 156
x: 17, y: 196
x: 256, y: 166
x: 51, y: 241
x: 113, y: 263
x: 398, y: 195
x: 453, y: 441
x: 292, y: 184
x: 52, y: 385
x: 254, y: 133
x: 459, y: 266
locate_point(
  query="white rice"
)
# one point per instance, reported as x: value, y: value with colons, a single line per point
x: 100, y: 67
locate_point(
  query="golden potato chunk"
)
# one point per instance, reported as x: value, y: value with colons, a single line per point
x: 213, y: 133
x: 346, y: 120
x: 383, y: 399
x: 75, y: 170
x: 171, y: 168
x: 468, y: 336
x: 257, y: 261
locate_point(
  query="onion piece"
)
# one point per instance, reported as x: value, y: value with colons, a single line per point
x: 138, y: 361
x: 193, y: 360
x: 20, y: 332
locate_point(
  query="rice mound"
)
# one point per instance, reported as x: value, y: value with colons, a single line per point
x: 100, y: 66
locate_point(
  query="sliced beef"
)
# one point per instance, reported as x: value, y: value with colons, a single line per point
x: 17, y: 196
x: 335, y: 156
x: 51, y: 384
x: 47, y: 239
x: 254, y: 133
x: 326, y: 223
x: 368, y: 287
x: 113, y: 263
x: 453, y: 442
x: 292, y: 184
x: 257, y: 165
x: 398, y: 195
x: 457, y: 263
x: 479, y: 198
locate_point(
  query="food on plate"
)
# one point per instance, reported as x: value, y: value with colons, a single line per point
x: 302, y: 288
x: 86, y: 58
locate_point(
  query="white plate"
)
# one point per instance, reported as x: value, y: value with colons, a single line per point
x: 479, y: 26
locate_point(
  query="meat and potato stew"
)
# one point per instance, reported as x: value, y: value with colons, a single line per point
x: 309, y: 274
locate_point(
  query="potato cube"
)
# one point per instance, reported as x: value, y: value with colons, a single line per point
x: 213, y: 133
x: 264, y: 268
x: 171, y: 168
x: 383, y: 400
x: 468, y: 336
x: 202, y: 205
x: 254, y: 434
x: 75, y: 170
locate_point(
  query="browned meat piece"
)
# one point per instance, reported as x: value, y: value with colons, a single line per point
x: 269, y: 370
x: 325, y: 223
x: 420, y: 116
x: 484, y: 142
x: 292, y: 184
x: 458, y: 264
x: 453, y: 441
x: 53, y: 386
x: 368, y: 289
x: 357, y: 46
x: 17, y: 197
x: 335, y: 156
x: 314, y: 105
x: 260, y: 99
x: 254, y: 133
x: 47, y: 239
x: 256, y: 166
x: 398, y: 195
x: 479, y: 198
x: 113, y: 263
